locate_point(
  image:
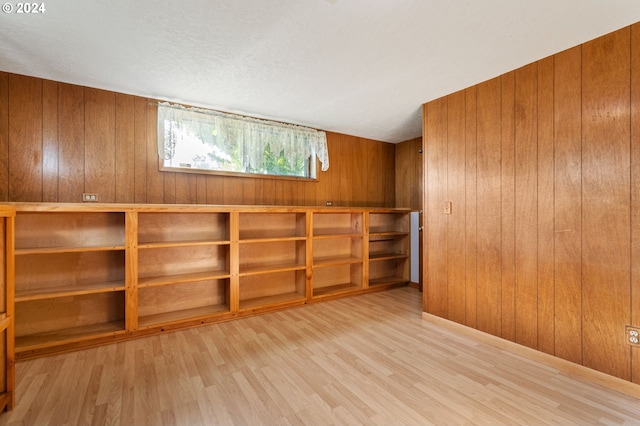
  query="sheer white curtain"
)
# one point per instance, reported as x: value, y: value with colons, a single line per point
x: 249, y: 134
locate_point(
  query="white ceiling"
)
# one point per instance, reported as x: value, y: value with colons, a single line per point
x: 360, y: 67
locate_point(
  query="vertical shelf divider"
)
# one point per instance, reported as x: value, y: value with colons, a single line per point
x: 234, y: 262
x: 309, y: 254
x: 365, y: 250
x: 131, y: 270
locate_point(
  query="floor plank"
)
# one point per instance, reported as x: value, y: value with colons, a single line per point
x: 370, y: 359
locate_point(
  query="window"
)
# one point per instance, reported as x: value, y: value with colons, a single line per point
x: 192, y: 139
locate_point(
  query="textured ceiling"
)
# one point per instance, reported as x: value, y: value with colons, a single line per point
x: 360, y: 67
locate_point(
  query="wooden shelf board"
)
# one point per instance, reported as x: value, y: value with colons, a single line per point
x: 182, y: 278
x: 336, y: 235
x: 331, y: 261
x: 264, y: 269
x: 165, y: 244
x: 5, y: 400
x: 5, y: 322
x: 387, y: 234
x: 179, y: 316
x: 75, y: 334
x: 54, y: 250
x: 63, y: 291
x: 338, y: 288
x: 271, y: 300
x: 387, y: 256
x: 7, y: 211
x: 270, y: 239
x: 387, y: 281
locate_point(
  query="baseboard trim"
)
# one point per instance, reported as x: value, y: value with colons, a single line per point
x: 567, y: 367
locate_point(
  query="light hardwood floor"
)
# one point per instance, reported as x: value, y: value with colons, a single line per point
x: 370, y: 359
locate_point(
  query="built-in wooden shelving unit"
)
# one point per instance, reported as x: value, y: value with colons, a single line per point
x: 92, y: 274
x: 7, y: 339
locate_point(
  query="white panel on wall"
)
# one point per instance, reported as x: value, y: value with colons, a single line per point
x: 415, y: 249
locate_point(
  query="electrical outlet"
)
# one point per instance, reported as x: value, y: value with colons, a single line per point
x: 88, y: 197
x: 329, y: 203
x: 633, y: 335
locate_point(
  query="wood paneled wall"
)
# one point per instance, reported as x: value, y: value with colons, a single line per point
x: 542, y: 166
x: 59, y: 140
x: 409, y: 166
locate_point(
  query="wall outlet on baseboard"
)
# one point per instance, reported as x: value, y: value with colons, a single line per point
x: 89, y: 197
x: 632, y: 335
x: 328, y: 203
